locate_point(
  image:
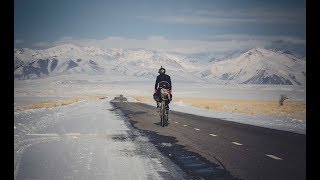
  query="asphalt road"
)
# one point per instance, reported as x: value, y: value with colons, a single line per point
x: 209, y: 148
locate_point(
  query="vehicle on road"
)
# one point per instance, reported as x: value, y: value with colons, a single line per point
x: 120, y: 98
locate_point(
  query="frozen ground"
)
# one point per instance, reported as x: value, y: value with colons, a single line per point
x: 68, y: 86
x: 85, y: 140
x: 85, y: 85
x: 73, y: 125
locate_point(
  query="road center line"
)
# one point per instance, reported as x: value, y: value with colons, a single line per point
x: 274, y: 157
x: 176, y: 122
x: 197, y: 129
x: 236, y: 143
x: 185, y: 125
x: 213, y: 135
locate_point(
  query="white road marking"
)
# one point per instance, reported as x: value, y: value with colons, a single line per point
x: 213, y: 135
x: 237, y: 143
x: 185, y: 125
x: 166, y: 144
x: 197, y: 129
x: 274, y: 157
x: 176, y: 122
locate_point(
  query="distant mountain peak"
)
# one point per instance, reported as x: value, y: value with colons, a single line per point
x: 257, y: 66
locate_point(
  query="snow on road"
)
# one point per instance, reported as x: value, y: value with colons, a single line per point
x: 82, y: 140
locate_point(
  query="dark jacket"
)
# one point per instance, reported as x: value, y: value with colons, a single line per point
x: 163, y: 80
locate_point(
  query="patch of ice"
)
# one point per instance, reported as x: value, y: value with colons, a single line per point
x: 166, y: 144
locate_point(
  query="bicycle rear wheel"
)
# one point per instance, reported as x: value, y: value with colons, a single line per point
x: 167, y: 117
x: 162, y: 114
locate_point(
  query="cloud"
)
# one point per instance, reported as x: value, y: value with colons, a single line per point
x: 270, y: 38
x: 42, y: 45
x: 18, y: 41
x: 232, y: 16
x: 219, y: 44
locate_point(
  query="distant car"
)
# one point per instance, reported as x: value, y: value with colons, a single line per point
x: 120, y: 98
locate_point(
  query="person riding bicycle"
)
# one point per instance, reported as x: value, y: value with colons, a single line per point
x: 163, y: 81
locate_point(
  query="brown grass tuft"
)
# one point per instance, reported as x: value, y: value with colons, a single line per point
x: 292, y: 109
x: 51, y: 104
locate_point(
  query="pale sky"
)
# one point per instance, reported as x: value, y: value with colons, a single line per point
x: 185, y: 26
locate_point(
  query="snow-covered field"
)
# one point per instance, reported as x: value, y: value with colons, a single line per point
x: 84, y: 109
x: 99, y: 145
x: 82, y: 86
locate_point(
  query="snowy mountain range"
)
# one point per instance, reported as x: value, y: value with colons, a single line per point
x: 256, y: 66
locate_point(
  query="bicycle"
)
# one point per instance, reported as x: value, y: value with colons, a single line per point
x: 164, y: 112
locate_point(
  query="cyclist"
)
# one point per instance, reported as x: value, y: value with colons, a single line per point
x: 163, y: 81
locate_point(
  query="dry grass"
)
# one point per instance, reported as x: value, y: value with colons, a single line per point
x: 292, y: 109
x: 51, y: 104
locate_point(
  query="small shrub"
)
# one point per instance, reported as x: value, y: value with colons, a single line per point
x: 282, y: 98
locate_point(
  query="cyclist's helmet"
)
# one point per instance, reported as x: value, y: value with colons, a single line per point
x: 162, y: 70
